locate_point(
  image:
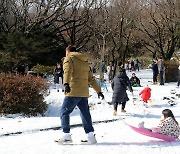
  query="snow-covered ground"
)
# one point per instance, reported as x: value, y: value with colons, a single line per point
x: 113, y: 137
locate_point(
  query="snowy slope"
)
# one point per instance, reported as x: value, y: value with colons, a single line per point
x: 113, y: 137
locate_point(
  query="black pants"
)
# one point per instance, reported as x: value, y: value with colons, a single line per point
x: 155, y: 77
x: 116, y: 105
x: 161, y: 76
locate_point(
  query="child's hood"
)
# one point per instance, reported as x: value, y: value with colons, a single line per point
x: 147, y: 89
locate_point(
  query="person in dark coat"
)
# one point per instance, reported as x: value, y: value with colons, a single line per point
x: 58, y: 74
x: 135, y: 82
x: 119, y: 86
x: 132, y: 65
x: 155, y: 71
x: 161, y: 69
x: 136, y: 64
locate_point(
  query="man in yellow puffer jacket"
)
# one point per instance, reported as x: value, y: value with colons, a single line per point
x: 77, y: 77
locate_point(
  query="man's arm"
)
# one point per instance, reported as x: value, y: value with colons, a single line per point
x: 93, y: 82
x: 68, y: 69
x: 129, y: 85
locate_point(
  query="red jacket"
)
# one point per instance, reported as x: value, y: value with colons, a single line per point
x: 145, y: 94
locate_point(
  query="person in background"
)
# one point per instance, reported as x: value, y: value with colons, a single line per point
x: 132, y: 65
x: 119, y: 85
x: 161, y: 69
x: 136, y: 64
x: 155, y: 71
x: 110, y: 69
x: 77, y: 77
x: 58, y: 75
x: 103, y: 67
x: 129, y: 66
x: 134, y: 80
x: 102, y: 71
x: 126, y: 66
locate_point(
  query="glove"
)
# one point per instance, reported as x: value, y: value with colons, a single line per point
x: 67, y: 88
x: 100, y: 94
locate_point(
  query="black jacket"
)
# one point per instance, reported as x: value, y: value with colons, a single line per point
x: 119, y: 86
x: 155, y: 68
x: 58, y: 72
x: 135, y: 80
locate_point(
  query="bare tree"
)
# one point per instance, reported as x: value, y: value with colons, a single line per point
x: 159, y: 21
x: 124, y: 14
x: 73, y: 25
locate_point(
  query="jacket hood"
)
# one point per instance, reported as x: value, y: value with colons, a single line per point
x: 147, y: 89
x: 121, y: 74
x: 78, y: 55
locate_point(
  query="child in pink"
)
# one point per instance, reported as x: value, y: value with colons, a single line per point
x: 145, y: 94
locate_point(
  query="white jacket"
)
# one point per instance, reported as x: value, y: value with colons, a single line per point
x: 169, y: 127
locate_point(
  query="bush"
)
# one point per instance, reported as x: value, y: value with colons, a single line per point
x: 171, y: 73
x: 41, y: 69
x: 22, y: 94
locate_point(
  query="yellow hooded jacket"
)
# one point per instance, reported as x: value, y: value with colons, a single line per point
x: 78, y: 75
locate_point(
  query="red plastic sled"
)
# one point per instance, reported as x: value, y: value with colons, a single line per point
x: 152, y: 134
